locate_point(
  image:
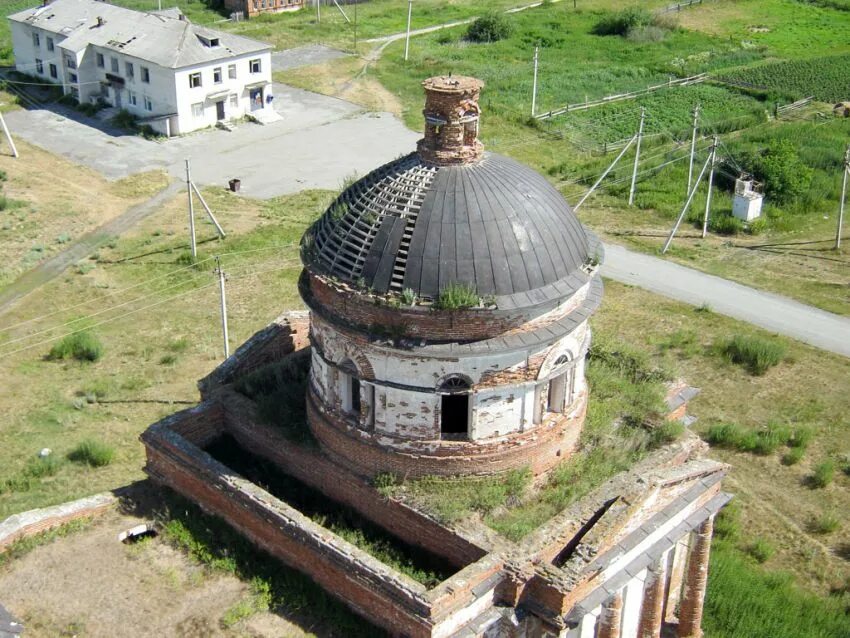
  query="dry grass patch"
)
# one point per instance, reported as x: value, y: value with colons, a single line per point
x: 54, y: 202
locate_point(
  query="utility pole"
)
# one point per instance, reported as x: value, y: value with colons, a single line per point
x: 843, y: 198
x: 319, y: 11
x: 534, y: 85
x: 713, y: 160
x: 605, y: 174
x: 685, y: 209
x: 407, y: 39
x: 8, y: 136
x: 221, y: 279
x: 191, y: 212
x: 693, y: 147
x: 356, y: 2
x: 637, y: 157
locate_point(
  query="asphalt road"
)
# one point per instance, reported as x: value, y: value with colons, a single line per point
x: 764, y: 309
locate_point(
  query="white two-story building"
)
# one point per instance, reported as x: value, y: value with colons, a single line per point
x: 171, y: 74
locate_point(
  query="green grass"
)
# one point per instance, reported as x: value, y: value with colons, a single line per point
x: 825, y: 78
x: 744, y: 600
x: 456, y: 296
x: 93, y: 453
x: 823, y: 474
x: 762, y: 441
x: 81, y: 346
x: 756, y: 354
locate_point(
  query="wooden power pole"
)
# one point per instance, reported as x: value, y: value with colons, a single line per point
x: 221, y: 279
x: 843, y: 198
x: 407, y: 38
x: 534, y: 84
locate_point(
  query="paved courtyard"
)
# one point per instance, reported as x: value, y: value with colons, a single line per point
x: 318, y: 143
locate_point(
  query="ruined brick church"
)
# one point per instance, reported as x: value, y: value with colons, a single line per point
x: 449, y: 295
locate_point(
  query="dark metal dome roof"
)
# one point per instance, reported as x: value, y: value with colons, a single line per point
x: 495, y: 224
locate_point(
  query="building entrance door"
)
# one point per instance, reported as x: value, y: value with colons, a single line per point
x: 219, y: 110
x: 117, y: 100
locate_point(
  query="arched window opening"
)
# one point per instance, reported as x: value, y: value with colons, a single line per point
x: 455, y: 408
x: 349, y: 389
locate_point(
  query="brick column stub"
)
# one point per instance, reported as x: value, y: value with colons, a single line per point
x: 611, y: 618
x: 696, y: 579
x: 652, y: 609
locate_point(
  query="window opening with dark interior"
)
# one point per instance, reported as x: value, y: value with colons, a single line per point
x: 454, y: 413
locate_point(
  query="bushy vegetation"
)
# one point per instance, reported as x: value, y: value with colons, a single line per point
x: 456, y: 296
x: 823, y: 78
x: 82, y: 346
x: 756, y: 354
x: 93, y: 453
x: 778, y: 166
x: 760, y: 549
x: 624, y: 21
x: 491, y: 27
x: 823, y: 474
x: 280, y: 392
x: 762, y: 441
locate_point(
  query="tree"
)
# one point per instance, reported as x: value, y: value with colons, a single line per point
x: 490, y: 27
x: 784, y: 174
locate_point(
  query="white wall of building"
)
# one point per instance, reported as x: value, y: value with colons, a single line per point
x: 166, y: 92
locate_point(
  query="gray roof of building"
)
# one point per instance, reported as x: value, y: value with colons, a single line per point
x: 160, y: 38
x: 495, y: 224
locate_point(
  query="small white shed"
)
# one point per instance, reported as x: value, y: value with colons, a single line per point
x: 748, y: 199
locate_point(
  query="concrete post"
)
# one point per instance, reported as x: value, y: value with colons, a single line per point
x: 652, y: 610
x: 610, y: 620
x: 696, y: 580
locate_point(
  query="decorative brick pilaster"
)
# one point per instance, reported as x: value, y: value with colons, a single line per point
x: 611, y: 618
x: 696, y: 579
x: 652, y: 609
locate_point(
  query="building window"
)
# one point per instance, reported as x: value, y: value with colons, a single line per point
x: 114, y: 63
x: 54, y: 72
x: 72, y: 77
x: 146, y: 74
x: 131, y: 98
x: 231, y: 71
x: 148, y: 104
x: 254, y: 66
x: 198, y: 110
x: 194, y: 80
x: 100, y: 61
x: 70, y: 62
x: 217, y: 75
x: 454, y: 408
x: 39, y: 65
x: 234, y: 101
x: 50, y: 46
x: 36, y: 40
x: 131, y: 72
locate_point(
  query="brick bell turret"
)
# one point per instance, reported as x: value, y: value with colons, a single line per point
x: 451, y: 121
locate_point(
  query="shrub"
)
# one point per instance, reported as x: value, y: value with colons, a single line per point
x: 793, y: 456
x: 826, y: 523
x: 456, y: 296
x: 93, y: 453
x: 125, y: 120
x: 491, y: 27
x: 801, y: 437
x: 784, y: 174
x: 725, y: 225
x: 408, y: 297
x: 763, y: 441
x: 757, y: 226
x: 82, y: 346
x: 823, y: 474
x: 756, y: 354
x: 760, y: 549
x: 623, y: 22
x: 647, y: 33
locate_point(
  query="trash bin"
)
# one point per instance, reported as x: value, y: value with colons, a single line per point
x: 235, y: 184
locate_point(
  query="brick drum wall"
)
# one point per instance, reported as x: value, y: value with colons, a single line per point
x: 539, y: 449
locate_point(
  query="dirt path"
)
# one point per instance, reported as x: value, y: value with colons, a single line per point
x: 84, y: 246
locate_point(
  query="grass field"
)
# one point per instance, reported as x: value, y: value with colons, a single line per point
x: 824, y: 79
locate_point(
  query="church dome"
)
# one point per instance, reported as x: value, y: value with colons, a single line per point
x: 448, y: 213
